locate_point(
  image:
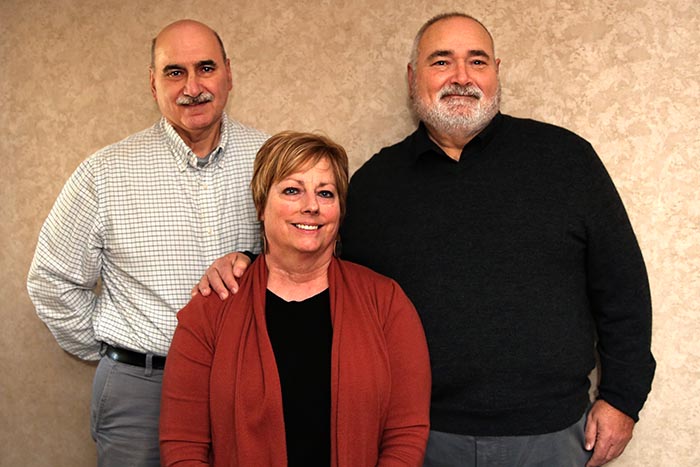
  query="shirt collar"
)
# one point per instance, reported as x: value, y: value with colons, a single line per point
x: 424, y: 145
x: 184, y: 156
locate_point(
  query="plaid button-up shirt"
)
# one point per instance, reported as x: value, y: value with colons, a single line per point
x: 143, y: 217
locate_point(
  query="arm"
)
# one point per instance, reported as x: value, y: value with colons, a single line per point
x: 185, y: 434
x: 607, y: 433
x: 223, y: 275
x: 620, y: 299
x: 407, y: 425
x: 67, y: 264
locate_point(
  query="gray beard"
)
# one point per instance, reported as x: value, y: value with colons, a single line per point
x: 455, y: 120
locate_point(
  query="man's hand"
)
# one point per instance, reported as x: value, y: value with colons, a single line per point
x: 607, y: 433
x: 222, y: 276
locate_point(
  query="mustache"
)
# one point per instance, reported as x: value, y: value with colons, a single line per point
x: 458, y: 90
x: 198, y: 99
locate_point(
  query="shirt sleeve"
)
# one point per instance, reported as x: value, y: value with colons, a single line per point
x: 408, y: 420
x: 618, y: 289
x: 67, y: 265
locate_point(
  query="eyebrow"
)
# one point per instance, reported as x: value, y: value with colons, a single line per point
x: 300, y: 182
x: 449, y: 53
x: 199, y: 64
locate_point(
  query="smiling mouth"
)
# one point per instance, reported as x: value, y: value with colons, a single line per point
x: 306, y: 227
x: 460, y: 96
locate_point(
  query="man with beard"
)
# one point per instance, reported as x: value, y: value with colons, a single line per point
x: 526, y: 258
x: 509, y: 237
x: 146, y: 216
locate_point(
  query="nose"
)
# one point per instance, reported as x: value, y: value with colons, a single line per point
x: 461, y: 74
x: 192, y: 86
x: 310, y: 205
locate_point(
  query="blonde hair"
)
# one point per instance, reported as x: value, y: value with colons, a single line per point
x: 288, y: 152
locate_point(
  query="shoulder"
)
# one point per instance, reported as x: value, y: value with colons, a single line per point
x: 387, y: 159
x: 534, y: 131
x: 203, y: 312
x: 140, y: 145
x: 365, y: 277
x: 243, y: 134
x: 382, y: 296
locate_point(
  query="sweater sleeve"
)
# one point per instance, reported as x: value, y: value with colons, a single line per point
x: 619, y: 293
x: 407, y: 425
x: 185, y: 437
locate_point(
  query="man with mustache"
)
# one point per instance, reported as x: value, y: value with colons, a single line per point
x: 509, y: 237
x: 527, y: 260
x: 146, y: 216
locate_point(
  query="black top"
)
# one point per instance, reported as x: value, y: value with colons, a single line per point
x: 513, y: 256
x: 301, y: 334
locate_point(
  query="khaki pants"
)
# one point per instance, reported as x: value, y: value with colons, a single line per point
x: 124, y: 414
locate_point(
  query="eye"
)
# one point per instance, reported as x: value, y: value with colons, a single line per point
x: 440, y: 63
x: 290, y: 191
x: 326, y: 194
x: 208, y: 69
x: 174, y: 73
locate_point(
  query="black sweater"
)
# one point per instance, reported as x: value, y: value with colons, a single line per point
x: 519, y: 258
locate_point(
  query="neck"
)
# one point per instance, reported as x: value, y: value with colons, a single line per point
x: 297, y: 280
x: 201, y: 142
x: 452, y: 144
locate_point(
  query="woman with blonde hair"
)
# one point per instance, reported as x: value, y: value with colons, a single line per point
x: 315, y: 361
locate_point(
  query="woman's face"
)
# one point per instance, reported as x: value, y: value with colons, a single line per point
x: 302, y: 213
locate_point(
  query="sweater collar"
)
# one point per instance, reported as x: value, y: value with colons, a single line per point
x: 424, y: 146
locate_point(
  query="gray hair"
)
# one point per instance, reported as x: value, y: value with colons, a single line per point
x: 435, y: 19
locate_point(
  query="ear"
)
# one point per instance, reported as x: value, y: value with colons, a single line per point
x: 152, y: 79
x: 409, y: 74
x: 498, y: 65
x: 229, y: 78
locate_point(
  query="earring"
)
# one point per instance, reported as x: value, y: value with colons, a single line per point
x: 263, y: 239
x: 338, y: 248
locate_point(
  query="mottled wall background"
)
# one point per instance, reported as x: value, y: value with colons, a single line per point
x: 624, y: 74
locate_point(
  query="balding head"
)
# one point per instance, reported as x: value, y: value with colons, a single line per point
x: 177, y: 25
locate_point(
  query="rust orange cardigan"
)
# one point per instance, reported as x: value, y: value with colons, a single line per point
x: 222, y: 403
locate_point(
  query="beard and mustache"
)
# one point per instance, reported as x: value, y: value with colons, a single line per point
x: 455, y: 116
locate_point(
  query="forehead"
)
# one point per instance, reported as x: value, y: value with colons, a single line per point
x: 186, y: 43
x: 310, y: 165
x: 455, y: 34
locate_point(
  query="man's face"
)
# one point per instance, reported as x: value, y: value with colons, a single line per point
x: 190, y: 79
x: 454, y: 82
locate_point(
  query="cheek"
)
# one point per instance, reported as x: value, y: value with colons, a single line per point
x: 432, y: 88
x: 333, y: 214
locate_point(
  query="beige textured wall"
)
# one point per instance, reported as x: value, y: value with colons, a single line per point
x: 623, y: 74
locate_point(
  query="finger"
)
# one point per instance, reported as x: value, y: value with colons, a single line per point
x: 202, y: 287
x: 591, y: 433
x: 240, y: 265
x: 217, y: 284
x: 601, y: 454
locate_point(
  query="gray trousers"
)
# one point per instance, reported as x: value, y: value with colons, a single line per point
x: 559, y: 449
x: 124, y: 414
